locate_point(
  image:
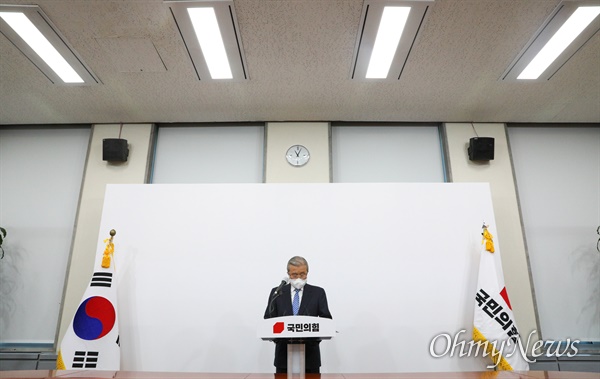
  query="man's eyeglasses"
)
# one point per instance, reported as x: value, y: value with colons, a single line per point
x: 301, y: 275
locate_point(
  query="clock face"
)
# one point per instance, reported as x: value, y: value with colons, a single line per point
x: 297, y: 155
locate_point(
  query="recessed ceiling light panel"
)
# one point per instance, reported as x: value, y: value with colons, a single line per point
x: 387, y: 33
x: 567, y: 29
x: 388, y: 36
x: 30, y: 30
x: 212, y: 38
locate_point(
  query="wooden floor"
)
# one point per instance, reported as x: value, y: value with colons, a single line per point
x: 40, y: 374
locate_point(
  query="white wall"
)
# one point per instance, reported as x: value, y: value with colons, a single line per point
x: 399, y: 263
x: 97, y: 174
x: 499, y: 174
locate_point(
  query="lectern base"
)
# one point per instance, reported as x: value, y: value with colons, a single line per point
x: 296, y: 364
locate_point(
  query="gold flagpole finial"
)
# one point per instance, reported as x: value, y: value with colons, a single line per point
x: 488, y: 239
x: 109, y: 250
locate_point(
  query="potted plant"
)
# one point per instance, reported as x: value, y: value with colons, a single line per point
x: 2, y: 235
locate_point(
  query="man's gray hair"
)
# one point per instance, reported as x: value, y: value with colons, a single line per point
x: 297, y: 262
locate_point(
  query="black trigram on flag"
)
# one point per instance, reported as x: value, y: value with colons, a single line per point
x: 101, y: 279
x: 85, y: 359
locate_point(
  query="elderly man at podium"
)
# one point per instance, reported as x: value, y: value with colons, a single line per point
x: 298, y: 298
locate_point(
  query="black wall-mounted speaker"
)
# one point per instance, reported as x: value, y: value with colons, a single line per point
x: 481, y: 149
x: 115, y: 150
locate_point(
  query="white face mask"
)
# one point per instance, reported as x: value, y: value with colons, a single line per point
x: 298, y: 283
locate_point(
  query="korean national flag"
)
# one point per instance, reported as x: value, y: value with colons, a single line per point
x: 92, y: 340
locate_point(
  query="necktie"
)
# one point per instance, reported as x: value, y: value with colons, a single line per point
x: 296, y: 302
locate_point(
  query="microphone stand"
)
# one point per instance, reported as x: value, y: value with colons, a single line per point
x: 275, y: 296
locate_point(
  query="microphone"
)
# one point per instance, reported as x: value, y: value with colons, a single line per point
x: 284, y: 281
x: 276, y: 294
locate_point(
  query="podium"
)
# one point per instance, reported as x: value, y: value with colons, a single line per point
x: 296, y: 330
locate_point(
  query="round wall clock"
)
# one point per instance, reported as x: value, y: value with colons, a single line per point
x: 297, y: 155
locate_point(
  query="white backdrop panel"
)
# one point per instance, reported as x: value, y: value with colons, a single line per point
x: 196, y: 262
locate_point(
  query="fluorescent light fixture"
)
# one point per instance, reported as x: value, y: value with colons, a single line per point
x: 212, y: 38
x: 40, y: 44
x: 569, y: 27
x: 567, y: 33
x: 207, y: 31
x: 387, y: 32
x: 34, y: 35
x: 388, y: 35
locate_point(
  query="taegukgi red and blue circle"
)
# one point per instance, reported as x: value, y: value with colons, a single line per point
x: 94, y: 318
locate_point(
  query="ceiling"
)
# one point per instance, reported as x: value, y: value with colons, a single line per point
x: 299, y: 55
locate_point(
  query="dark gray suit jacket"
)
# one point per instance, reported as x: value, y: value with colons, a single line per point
x: 314, y: 303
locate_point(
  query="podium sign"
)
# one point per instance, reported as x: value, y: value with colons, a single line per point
x: 296, y: 327
x: 296, y: 330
